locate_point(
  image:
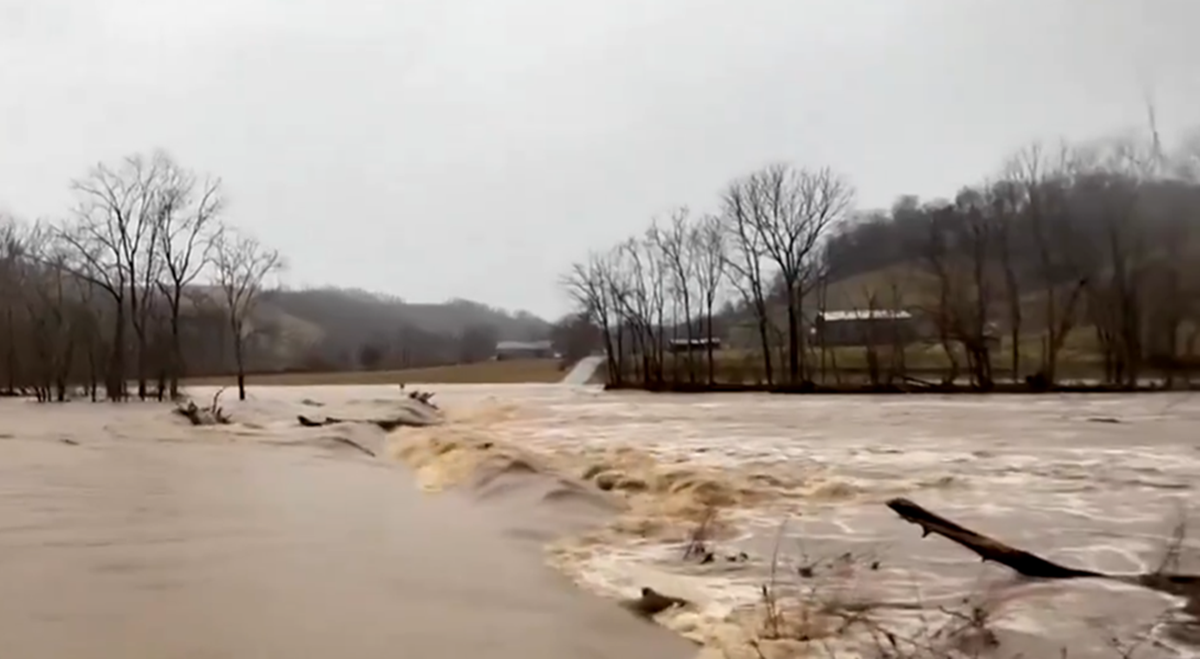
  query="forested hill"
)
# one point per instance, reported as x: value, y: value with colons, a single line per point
x: 351, y: 328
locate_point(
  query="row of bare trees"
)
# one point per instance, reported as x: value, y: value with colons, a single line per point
x: 1080, y: 257
x: 663, y: 288
x: 1077, y: 257
x: 128, y: 286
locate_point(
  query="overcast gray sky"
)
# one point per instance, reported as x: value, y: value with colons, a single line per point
x: 474, y: 148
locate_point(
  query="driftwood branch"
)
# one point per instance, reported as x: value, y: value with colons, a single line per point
x: 1030, y: 565
x: 988, y: 549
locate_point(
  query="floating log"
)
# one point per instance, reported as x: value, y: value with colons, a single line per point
x: 1031, y: 565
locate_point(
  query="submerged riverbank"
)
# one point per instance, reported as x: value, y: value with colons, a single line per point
x: 127, y: 535
x: 717, y: 500
x: 769, y: 514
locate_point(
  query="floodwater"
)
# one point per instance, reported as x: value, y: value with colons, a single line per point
x: 251, y: 530
x: 139, y: 538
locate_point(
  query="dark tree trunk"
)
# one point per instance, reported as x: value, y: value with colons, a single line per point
x: 115, y: 380
x: 239, y: 359
x: 793, y: 343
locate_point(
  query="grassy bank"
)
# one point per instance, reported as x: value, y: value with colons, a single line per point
x: 904, y: 387
x: 491, y: 372
x: 917, y: 368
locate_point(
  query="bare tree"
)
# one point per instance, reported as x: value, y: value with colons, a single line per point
x: 790, y: 211
x: 50, y: 295
x: 679, y: 266
x: 1002, y: 207
x: 746, y: 264
x: 974, y: 326
x: 188, y: 209
x: 638, y: 288
x: 1113, y: 200
x: 589, y: 284
x: 708, y: 247
x: 242, y: 265
x: 1042, y: 185
x: 113, y: 242
x: 12, y: 247
x: 89, y: 328
x: 1089, y: 236
x: 575, y: 336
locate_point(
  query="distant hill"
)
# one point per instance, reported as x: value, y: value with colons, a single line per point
x: 352, y: 328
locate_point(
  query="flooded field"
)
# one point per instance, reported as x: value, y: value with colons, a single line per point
x: 1091, y: 482
x: 782, y: 491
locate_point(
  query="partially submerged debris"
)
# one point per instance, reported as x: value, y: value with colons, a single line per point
x: 212, y: 415
x: 1030, y: 565
x: 651, y: 603
x: 387, y: 425
x: 422, y: 397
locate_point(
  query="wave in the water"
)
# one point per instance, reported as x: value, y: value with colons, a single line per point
x: 626, y: 511
x: 621, y: 488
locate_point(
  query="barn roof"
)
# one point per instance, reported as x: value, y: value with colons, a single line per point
x: 864, y: 314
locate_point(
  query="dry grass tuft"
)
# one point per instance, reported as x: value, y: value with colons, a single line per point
x: 801, y: 612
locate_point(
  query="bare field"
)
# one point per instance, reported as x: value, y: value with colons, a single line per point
x: 522, y: 371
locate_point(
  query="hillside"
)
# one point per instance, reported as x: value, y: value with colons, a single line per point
x: 349, y: 328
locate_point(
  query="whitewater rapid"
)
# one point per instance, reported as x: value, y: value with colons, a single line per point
x: 613, y: 487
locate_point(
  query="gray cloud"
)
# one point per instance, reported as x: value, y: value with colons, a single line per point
x: 475, y: 147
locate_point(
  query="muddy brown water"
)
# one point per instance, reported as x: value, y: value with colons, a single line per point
x: 1098, y: 482
x: 147, y: 538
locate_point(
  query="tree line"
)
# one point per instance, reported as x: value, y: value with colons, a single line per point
x: 367, y: 331
x: 1078, y: 256
x: 140, y: 277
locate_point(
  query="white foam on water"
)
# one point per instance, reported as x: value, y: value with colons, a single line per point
x: 1031, y: 471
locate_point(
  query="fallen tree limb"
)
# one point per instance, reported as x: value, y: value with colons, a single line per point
x: 988, y: 549
x: 1030, y: 565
